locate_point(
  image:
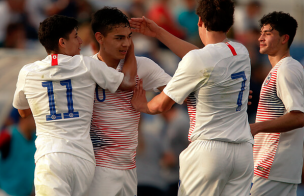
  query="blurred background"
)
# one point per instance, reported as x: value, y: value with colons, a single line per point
x: 161, y: 137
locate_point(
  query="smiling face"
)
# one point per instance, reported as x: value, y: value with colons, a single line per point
x: 116, y: 43
x: 73, y: 44
x: 270, y: 40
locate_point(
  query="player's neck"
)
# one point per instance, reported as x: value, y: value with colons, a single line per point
x: 274, y: 59
x: 108, y: 60
x: 214, y: 37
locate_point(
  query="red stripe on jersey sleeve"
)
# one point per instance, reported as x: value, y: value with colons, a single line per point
x: 232, y: 49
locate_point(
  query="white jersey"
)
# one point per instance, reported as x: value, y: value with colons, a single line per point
x: 216, y: 79
x: 278, y: 156
x: 59, y: 90
x: 114, y: 125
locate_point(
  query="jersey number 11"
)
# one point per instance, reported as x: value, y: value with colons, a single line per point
x: 56, y: 116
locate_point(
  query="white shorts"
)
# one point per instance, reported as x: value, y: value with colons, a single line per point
x: 114, y: 182
x: 265, y: 187
x: 63, y: 174
x: 209, y: 167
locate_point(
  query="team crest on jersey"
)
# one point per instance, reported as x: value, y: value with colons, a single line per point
x: 260, y: 168
x: 267, y: 80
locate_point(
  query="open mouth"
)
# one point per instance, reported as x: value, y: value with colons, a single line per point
x: 123, y: 51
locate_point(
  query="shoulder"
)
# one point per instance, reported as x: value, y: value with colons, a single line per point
x: 27, y: 68
x: 142, y: 61
x: 290, y: 68
x: 240, y: 47
x: 194, y: 61
x: 196, y: 58
x: 94, y: 56
x: 145, y: 64
x: 79, y: 58
x: 89, y: 60
x: 195, y: 55
x: 290, y: 63
x: 147, y: 67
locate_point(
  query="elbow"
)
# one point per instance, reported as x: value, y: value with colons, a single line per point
x: 300, y: 119
x: 157, y: 109
x: 302, y: 122
x: 162, y: 109
x: 23, y: 115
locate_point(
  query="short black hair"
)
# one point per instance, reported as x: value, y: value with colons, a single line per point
x: 53, y: 28
x: 282, y: 22
x: 217, y: 15
x: 107, y: 18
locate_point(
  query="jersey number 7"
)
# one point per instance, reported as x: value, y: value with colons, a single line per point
x: 56, y: 116
x: 240, y: 97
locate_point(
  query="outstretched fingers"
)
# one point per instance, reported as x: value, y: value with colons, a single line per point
x: 137, y: 19
x: 135, y: 26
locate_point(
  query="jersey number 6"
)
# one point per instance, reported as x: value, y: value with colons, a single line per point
x: 54, y: 115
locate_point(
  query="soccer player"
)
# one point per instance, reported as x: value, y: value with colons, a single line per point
x: 279, y: 123
x: 219, y: 160
x: 114, y: 128
x: 59, y: 91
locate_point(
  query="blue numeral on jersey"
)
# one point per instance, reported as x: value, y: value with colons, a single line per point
x: 240, y: 97
x: 71, y: 113
x: 97, y: 96
x: 53, y: 115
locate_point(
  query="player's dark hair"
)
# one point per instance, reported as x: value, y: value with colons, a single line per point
x: 53, y: 28
x: 282, y: 22
x: 217, y: 15
x: 107, y: 18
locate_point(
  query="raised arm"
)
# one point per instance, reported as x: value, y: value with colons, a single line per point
x: 130, y: 71
x: 148, y: 27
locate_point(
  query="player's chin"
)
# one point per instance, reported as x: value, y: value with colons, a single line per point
x: 77, y: 52
x: 263, y: 51
x: 121, y: 56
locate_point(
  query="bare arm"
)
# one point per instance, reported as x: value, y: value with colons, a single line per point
x: 25, y: 113
x: 161, y: 88
x: 130, y: 71
x: 285, y: 123
x: 158, y: 104
x: 150, y: 28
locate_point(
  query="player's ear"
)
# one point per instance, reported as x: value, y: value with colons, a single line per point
x: 99, y: 37
x: 285, y: 39
x: 61, y: 43
x: 200, y: 22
